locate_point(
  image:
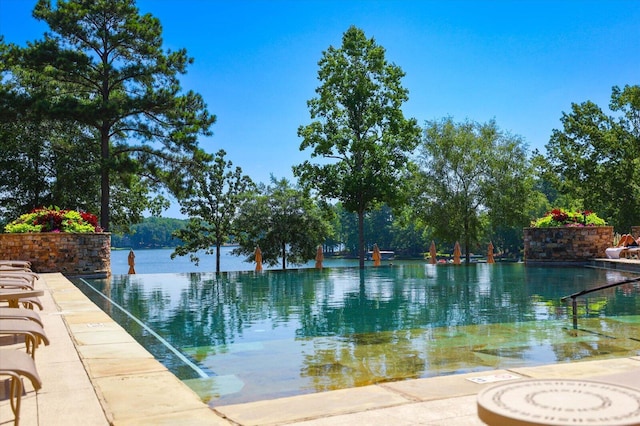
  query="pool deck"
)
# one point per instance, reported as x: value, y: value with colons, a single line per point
x: 95, y: 373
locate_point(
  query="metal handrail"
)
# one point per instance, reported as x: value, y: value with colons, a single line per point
x: 574, y: 296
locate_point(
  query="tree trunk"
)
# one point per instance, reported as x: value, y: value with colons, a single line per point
x: 467, y: 258
x: 284, y: 256
x: 217, y: 258
x: 466, y: 249
x: 361, y: 239
x: 104, y: 180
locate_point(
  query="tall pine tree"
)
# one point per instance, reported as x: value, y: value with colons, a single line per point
x: 112, y: 77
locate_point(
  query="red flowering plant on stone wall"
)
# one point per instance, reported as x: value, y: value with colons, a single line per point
x: 90, y: 218
x: 561, y: 217
x: 54, y: 219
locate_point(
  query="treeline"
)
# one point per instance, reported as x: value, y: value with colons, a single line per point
x: 152, y: 232
x: 382, y: 227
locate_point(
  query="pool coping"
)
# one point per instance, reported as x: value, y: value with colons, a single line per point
x: 94, y: 372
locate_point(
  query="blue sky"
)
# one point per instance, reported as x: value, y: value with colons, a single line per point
x: 521, y: 63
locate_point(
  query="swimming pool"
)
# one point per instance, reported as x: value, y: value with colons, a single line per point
x: 244, y: 336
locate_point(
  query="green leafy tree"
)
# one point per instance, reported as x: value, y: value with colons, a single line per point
x: 333, y: 242
x: 596, y: 157
x: 106, y: 71
x: 347, y: 229
x: 358, y: 129
x: 284, y: 222
x: 212, y: 205
x: 41, y: 161
x: 546, y: 183
x: 378, y: 224
x: 467, y: 170
x: 409, y: 234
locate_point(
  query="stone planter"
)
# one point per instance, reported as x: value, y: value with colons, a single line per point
x: 71, y: 254
x: 566, y: 245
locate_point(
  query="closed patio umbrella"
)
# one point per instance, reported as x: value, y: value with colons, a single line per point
x: 319, y: 257
x: 258, y: 256
x: 490, y: 253
x: 432, y: 253
x: 456, y: 254
x: 132, y: 262
x: 377, y: 256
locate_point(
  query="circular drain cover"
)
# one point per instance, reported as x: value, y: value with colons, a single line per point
x: 559, y: 402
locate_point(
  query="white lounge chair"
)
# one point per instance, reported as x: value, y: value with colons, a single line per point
x: 16, y: 364
x: 32, y: 332
x: 632, y: 251
x: 14, y: 298
x: 25, y: 275
x: 15, y: 263
x: 614, y: 252
x: 15, y: 283
x: 21, y: 313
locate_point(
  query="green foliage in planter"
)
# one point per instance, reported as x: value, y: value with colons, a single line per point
x: 53, y: 219
x: 561, y: 217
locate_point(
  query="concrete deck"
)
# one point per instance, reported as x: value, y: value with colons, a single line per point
x: 628, y: 265
x: 95, y: 373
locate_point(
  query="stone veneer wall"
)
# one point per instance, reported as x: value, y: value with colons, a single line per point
x: 570, y: 245
x: 68, y: 253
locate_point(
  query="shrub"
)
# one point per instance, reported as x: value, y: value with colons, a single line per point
x: 53, y: 219
x: 560, y: 217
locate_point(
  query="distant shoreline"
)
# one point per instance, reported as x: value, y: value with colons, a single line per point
x: 114, y: 248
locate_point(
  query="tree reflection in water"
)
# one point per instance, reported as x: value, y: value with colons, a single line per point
x: 285, y: 333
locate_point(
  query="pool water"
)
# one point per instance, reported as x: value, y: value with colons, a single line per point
x: 243, y: 336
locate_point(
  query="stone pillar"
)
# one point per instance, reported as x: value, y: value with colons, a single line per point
x: 568, y: 245
x: 71, y: 254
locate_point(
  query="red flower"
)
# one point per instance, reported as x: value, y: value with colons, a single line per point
x: 89, y: 218
x: 559, y: 215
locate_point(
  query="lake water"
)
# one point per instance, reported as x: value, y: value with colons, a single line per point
x: 152, y: 261
x: 245, y: 336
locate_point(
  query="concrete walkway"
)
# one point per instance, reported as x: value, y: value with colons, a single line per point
x: 95, y: 373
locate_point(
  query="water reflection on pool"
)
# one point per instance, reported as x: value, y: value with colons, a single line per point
x: 273, y: 334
